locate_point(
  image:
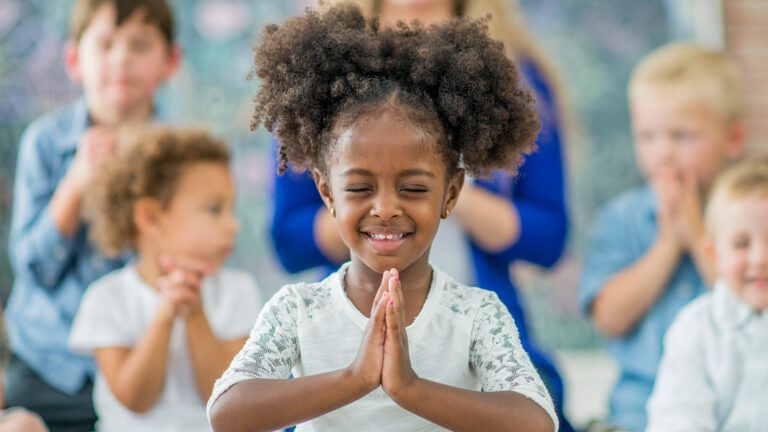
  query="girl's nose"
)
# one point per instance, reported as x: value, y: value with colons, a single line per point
x: 386, y: 206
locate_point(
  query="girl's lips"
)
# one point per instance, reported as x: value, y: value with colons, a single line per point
x: 386, y: 243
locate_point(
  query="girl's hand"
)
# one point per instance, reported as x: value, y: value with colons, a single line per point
x: 180, y: 286
x: 397, y: 373
x: 370, y: 357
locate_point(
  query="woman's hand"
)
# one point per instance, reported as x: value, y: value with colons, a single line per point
x: 367, y: 366
x: 397, y: 373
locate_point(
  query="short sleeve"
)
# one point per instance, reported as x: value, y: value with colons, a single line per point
x: 683, y: 398
x: 238, y: 307
x: 608, y: 252
x: 499, y: 359
x: 271, y: 349
x: 99, y: 322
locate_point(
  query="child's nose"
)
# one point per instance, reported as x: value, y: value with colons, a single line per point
x: 386, y: 206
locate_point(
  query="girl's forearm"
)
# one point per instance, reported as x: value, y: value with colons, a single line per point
x: 271, y: 404
x: 210, y: 356
x: 140, y: 377
x: 459, y: 409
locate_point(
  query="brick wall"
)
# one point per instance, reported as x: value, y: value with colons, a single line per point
x: 746, y: 38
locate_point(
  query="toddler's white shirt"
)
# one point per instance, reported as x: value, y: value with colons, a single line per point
x: 714, y: 373
x: 117, y: 310
x: 463, y: 337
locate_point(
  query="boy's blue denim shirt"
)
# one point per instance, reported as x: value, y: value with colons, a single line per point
x: 624, y: 231
x: 51, y: 271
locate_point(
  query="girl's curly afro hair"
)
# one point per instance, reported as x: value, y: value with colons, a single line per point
x: 324, y: 70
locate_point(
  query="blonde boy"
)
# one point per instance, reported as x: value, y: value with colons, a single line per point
x: 713, y: 375
x: 646, y: 259
x: 121, y: 51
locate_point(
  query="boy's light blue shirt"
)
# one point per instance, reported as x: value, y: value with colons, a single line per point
x: 51, y: 271
x: 624, y: 231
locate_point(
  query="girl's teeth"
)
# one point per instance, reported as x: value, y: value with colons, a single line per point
x: 387, y: 236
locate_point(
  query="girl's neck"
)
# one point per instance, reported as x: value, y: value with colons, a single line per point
x: 414, y: 279
x: 437, y: 12
x: 148, y: 266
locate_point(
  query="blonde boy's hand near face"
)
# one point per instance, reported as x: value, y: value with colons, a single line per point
x: 181, y: 285
x: 96, y: 145
x: 680, y: 216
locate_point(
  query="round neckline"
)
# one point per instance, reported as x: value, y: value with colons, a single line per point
x: 354, y: 314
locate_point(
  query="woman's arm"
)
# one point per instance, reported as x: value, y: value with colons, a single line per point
x: 303, y: 232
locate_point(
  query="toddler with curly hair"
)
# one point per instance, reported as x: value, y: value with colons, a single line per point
x: 164, y: 327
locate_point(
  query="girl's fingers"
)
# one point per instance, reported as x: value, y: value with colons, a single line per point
x: 382, y: 289
x: 379, y: 313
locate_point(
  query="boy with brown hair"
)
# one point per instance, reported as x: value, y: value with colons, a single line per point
x: 120, y: 51
x: 646, y: 258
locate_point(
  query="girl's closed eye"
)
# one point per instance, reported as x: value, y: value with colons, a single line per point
x: 357, y: 188
x: 215, y: 208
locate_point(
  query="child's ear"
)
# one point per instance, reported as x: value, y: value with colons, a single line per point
x: 324, y: 187
x: 455, y: 184
x: 708, y: 244
x: 71, y: 58
x: 174, y: 60
x: 147, y: 214
x: 736, y: 139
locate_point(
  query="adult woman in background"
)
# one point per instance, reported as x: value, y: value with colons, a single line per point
x: 497, y: 220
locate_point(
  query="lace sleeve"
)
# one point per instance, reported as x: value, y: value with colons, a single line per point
x: 499, y: 359
x: 272, y: 346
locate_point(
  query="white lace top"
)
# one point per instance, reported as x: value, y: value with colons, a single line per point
x: 463, y: 337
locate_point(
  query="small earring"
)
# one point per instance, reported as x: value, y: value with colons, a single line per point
x: 333, y: 211
x: 446, y: 213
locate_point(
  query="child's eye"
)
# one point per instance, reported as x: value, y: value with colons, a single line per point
x: 358, y: 189
x: 414, y: 189
x: 139, y: 45
x: 741, y: 243
x: 682, y: 135
x: 215, y: 209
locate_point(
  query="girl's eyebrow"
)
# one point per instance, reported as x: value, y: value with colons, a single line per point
x: 410, y: 172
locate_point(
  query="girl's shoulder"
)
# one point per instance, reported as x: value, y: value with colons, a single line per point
x: 307, y: 296
x: 463, y: 299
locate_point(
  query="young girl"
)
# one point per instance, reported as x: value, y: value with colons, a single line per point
x: 498, y: 221
x: 713, y: 375
x: 165, y: 326
x: 388, y: 120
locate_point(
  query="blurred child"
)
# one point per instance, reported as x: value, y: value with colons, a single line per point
x: 388, y: 120
x: 121, y: 51
x: 646, y: 259
x: 165, y: 326
x: 713, y: 376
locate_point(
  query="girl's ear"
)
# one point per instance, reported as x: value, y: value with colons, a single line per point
x: 147, y: 214
x: 324, y: 187
x: 452, y: 192
x: 72, y: 60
